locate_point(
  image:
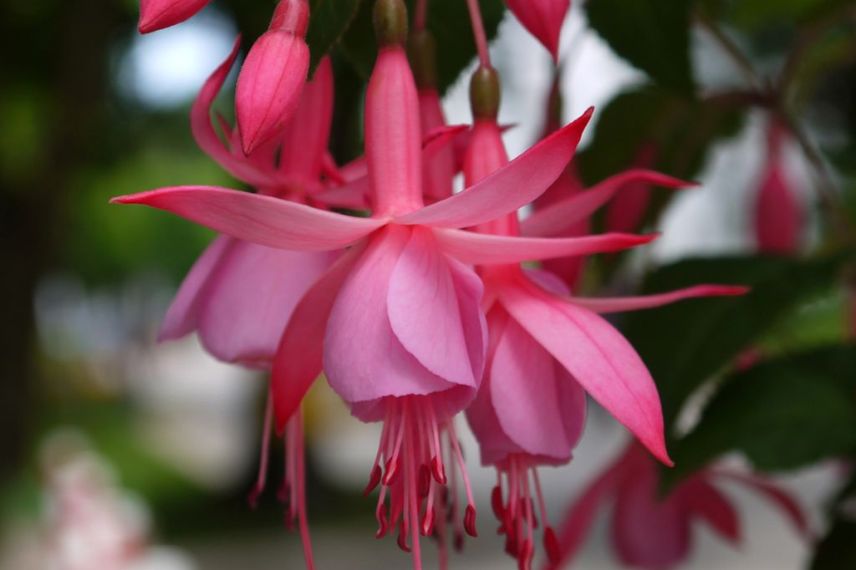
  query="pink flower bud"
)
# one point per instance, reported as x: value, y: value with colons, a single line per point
x: 543, y: 19
x: 273, y: 75
x: 158, y: 14
x: 778, y: 211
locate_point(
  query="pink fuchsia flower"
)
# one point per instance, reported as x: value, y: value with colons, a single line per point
x: 653, y: 532
x: 627, y: 210
x: 778, y: 211
x: 158, y: 14
x: 272, y: 77
x: 543, y: 19
x: 546, y: 350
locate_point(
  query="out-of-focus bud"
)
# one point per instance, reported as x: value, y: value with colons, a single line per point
x: 158, y: 14
x: 778, y: 211
x: 272, y: 77
x: 543, y: 19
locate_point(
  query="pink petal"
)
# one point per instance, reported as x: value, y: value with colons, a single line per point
x: 298, y: 360
x: 617, y: 304
x: 269, y: 86
x: 393, y: 135
x: 581, y: 514
x: 559, y: 217
x: 649, y: 532
x: 525, y: 395
x: 708, y: 503
x: 424, y: 313
x: 251, y: 297
x: 470, y: 292
x: 777, y: 496
x: 486, y: 249
x: 515, y: 185
x: 363, y: 358
x: 181, y: 317
x: 597, y: 356
x: 543, y: 19
x: 158, y: 14
x: 438, y: 173
x: 259, y: 219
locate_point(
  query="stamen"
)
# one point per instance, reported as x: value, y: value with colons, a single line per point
x: 470, y: 514
x: 264, y: 457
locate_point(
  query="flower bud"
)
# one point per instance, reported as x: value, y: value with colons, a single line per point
x: 390, y: 22
x: 158, y: 14
x: 422, y: 52
x: 272, y: 77
x: 485, y: 93
x: 543, y: 19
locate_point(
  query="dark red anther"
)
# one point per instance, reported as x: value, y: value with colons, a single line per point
x: 424, y: 480
x: 438, y: 470
x: 511, y: 544
x: 391, y: 472
x: 551, y: 545
x: 527, y: 553
x: 402, y: 539
x: 496, y: 502
x: 382, y: 521
x: 459, y: 541
x: 428, y: 521
x: 374, y: 480
x: 470, y: 521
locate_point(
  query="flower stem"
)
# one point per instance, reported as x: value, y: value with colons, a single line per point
x: 479, y: 33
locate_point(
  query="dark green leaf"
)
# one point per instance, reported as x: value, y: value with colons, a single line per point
x: 652, y: 35
x: 687, y: 343
x: 329, y: 22
x: 783, y: 414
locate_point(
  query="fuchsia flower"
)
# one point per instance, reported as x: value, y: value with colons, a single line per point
x: 546, y: 350
x: 778, y: 211
x: 273, y: 75
x: 543, y: 19
x: 396, y: 321
x: 158, y: 14
x: 654, y: 533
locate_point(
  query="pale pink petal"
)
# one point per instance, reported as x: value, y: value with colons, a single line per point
x: 597, y: 356
x: 776, y: 495
x: 259, y: 219
x: 363, y: 358
x: 525, y: 395
x: 562, y: 215
x: 572, y: 396
x: 486, y: 249
x: 353, y: 194
x: 269, y: 86
x: 548, y: 281
x: 543, y: 19
x: 515, y: 185
x: 470, y: 292
x: 423, y: 310
x: 251, y: 297
x: 181, y: 317
x: 708, y: 503
x: 159, y: 14
x: 298, y: 360
x: 649, y: 531
x: 617, y: 304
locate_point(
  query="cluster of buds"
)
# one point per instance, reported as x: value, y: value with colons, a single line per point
x: 425, y: 306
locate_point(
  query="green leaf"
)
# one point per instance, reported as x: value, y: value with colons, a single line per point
x: 329, y: 22
x: 448, y: 20
x: 782, y: 414
x: 687, y: 343
x: 652, y: 35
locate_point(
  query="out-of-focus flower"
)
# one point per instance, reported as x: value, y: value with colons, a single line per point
x: 543, y: 19
x: 778, y: 211
x: 654, y: 532
x: 158, y: 14
x: 272, y: 77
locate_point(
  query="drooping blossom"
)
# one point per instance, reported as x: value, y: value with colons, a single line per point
x: 396, y: 321
x: 272, y: 77
x: 543, y: 19
x: 654, y: 532
x: 546, y: 350
x: 778, y: 213
x: 158, y: 14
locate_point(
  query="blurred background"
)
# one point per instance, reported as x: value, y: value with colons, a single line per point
x: 160, y: 442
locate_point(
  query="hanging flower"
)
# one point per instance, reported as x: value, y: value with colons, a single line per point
x: 543, y: 19
x: 778, y: 211
x: 158, y: 14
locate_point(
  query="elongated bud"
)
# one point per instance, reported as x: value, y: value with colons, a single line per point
x: 158, y: 14
x: 272, y: 77
x: 390, y: 22
x: 485, y: 94
x: 422, y: 51
x: 543, y: 19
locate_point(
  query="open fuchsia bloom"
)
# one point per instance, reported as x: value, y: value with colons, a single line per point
x: 158, y: 14
x: 546, y: 351
x: 652, y: 532
x: 272, y: 76
x: 543, y: 19
x: 778, y: 211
